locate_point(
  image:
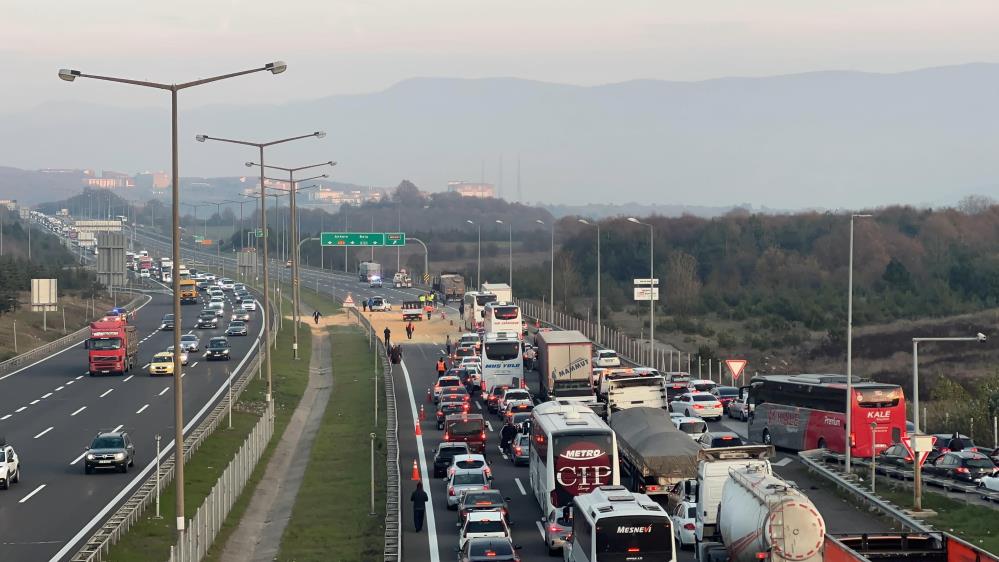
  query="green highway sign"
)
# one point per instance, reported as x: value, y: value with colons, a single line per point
x: 362, y: 239
x: 259, y: 233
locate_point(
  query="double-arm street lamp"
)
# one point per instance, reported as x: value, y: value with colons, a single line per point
x: 596, y: 224
x: 652, y: 287
x: 478, y: 272
x: 551, y: 296
x: 260, y: 146
x: 178, y: 395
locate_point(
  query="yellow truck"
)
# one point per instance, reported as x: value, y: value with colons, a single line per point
x: 188, y: 291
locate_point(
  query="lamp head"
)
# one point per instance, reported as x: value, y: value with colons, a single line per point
x: 469, y: 221
x: 325, y: 176
x: 276, y: 67
x: 498, y: 221
x: 320, y: 134
x: 201, y: 138
x: 981, y: 337
x: 68, y: 75
x: 584, y: 221
x: 634, y: 220
x: 249, y: 164
x: 539, y: 221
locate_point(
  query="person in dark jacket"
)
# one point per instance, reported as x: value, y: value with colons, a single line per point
x: 388, y: 337
x: 419, y: 499
x: 507, y: 434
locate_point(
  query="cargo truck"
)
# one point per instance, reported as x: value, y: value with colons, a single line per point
x: 566, y: 369
x: 402, y: 280
x: 188, y: 291
x: 450, y: 284
x: 112, y: 346
x: 502, y: 291
x: 368, y: 270
x: 632, y: 387
x: 653, y: 454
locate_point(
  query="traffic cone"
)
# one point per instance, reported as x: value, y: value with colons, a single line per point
x: 418, y: 430
x: 416, y: 472
x: 423, y: 415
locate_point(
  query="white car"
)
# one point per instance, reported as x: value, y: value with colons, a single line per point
x: 465, y: 361
x: 10, y: 467
x: 248, y: 305
x: 190, y: 342
x: 698, y: 404
x: 606, y: 358
x: 990, y: 482
x: 683, y: 523
x: 218, y: 307
x: 694, y: 427
x: 460, y: 481
x: 380, y: 304
x: 209, y: 277
x: 183, y: 354
x: 468, y: 462
x: 227, y: 284
x: 486, y: 524
x: 511, y: 395
x: 701, y: 385
x: 144, y: 273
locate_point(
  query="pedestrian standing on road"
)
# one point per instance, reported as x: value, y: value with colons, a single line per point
x: 419, y: 499
x: 461, y: 309
x: 409, y: 330
x: 388, y: 336
x: 364, y: 305
x: 430, y: 312
x: 316, y: 316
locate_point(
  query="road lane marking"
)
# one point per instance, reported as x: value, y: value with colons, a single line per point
x: 115, y: 430
x: 5, y: 417
x: 21, y: 409
x: 164, y: 391
x: 142, y: 409
x: 69, y: 382
x: 783, y: 462
x: 59, y: 388
x: 431, y: 520
x: 520, y: 487
x: 106, y: 392
x: 489, y: 425
x: 46, y: 395
x: 82, y: 408
x: 33, y: 402
x: 478, y: 406
x: 195, y: 364
x: 44, y: 432
x: 146, y: 366
x: 540, y: 529
x: 77, y: 459
x: 33, y: 492
x: 128, y: 378
x: 80, y: 377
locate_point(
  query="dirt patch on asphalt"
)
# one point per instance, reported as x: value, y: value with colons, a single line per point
x: 434, y: 331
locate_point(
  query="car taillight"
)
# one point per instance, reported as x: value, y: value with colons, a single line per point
x: 688, y: 526
x: 517, y: 450
x: 698, y: 406
x: 450, y: 491
x: 440, y: 412
x: 634, y: 549
x: 908, y: 458
x: 482, y: 436
x: 962, y: 470
x: 652, y: 488
x: 553, y: 528
x: 445, y: 436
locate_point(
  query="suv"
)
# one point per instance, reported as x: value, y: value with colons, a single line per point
x: 10, y: 467
x: 110, y: 449
x: 167, y: 323
x: 217, y: 348
x: 207, y: 319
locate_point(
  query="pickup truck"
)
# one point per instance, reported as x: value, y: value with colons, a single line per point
x: 412, y: 310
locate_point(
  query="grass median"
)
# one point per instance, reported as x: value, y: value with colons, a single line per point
x: 973, y: 523
x: 332, y: 509
x: 150, y: 538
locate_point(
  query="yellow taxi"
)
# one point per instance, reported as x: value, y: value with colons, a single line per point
x: 162, y: 364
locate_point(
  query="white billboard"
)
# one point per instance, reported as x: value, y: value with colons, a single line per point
x: 44, y: 295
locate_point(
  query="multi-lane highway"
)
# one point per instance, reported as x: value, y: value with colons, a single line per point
x: 50, y: 411
x: 439, y: 537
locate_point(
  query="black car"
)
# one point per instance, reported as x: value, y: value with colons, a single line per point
x: 167, y: 323
x: 483, y: 500
x: 950, y: 442
x: 965, y: 466
x: 207, y: 319
x: 445, y: 409
x: 444, y: 456
x: 109, y: 450
x: 896, y: 455
x: 217, y: 348
x: 482, y: 549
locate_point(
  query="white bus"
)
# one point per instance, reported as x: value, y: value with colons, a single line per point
x: 502, y: 317
x: 612, y: 524
x: 572, y: 452
x: 502, y: 360
x: 475, y: 304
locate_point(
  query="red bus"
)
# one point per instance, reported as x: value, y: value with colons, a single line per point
x: 802, y: 412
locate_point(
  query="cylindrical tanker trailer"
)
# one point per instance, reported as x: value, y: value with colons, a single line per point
x: 761, y: 517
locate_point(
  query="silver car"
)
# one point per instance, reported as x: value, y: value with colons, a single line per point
x: 190, y: 342
x: 462, y: 480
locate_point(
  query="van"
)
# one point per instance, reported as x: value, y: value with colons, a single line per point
x: 466, y: 428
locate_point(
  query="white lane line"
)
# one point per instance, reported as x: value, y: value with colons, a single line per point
x: 195, y: 364
x: 80, y: 377
x: 115, y: 430
x: 21, y: 409
x: 58, y: 388
x: 82, y: 408
x: 46, y: 395
x: 164, y: 391
x: 478, y: 406
x: 520, y: 486
x: 146, y: 366
x: 77, y: 459
x: 33, y: 492
x: 142, y: 409
x: 70, y: 382
x: 44, y: 432
x: 431, y: 521
x: 106, y: 392
x: 783, y: 462
x: 540, y: 529
x: 489, y: 425
x: 128, y: 378
x: 5, y: 417
x: 33, y: 402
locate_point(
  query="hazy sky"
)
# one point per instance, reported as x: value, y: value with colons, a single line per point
x: 350, y: 46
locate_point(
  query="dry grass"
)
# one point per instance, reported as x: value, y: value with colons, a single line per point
x: 30, y: 333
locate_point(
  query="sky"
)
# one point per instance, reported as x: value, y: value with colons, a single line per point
x: 357, y: 46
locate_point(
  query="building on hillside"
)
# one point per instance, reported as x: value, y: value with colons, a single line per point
x: 11, y: 204
x: 152, y: 180
x: 110, y: 180
x: 471, y: 189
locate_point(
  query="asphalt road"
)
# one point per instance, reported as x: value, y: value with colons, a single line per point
x: 50, y: 411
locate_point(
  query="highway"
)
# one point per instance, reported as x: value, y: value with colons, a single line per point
x: 439, y: 537
x: 50, y: 411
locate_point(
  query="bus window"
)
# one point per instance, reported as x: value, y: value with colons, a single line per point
x: 502, y: 351
x: 506, y: 312
x: 632, y: 535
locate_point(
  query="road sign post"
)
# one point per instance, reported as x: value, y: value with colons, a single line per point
x: 646, y: 289
x: 362, y: 239
x: 918, y: 447
x: 735, y: 368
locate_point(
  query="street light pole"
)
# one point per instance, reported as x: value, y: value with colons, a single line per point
x: 478, y: 272
x: 652, y: 287
x: 511, y: 251
x: 70, y: 75
x: 551, y: 286
x: 599, y: 324
x: 848, y: 454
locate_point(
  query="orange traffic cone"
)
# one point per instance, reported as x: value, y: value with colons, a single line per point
x: 423, y: 415
x: 418, y: 430
x: 416, y: 472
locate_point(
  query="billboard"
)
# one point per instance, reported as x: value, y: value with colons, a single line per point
x: 44, y: 295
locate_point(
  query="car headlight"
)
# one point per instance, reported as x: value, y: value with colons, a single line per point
x: 119, y: 456
x: 90, y: 457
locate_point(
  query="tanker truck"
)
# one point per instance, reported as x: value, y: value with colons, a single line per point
x: 762, y: 517
x: 713, y: 466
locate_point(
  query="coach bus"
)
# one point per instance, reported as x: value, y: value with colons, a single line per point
x: 502, y: 317
x: 802, y: 412
x: 572, y: 452
x: 502, y: 360
x: 475, y: 304
x: 612, y: 524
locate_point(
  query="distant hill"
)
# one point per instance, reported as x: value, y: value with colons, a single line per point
x: 821, y: 139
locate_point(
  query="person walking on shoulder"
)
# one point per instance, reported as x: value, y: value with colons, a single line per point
x: 419, y: 499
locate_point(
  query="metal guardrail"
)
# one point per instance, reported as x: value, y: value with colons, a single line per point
x: 33, y: 355
x: 393, y: 494
x: 814, y: 461
x: 101, y: 541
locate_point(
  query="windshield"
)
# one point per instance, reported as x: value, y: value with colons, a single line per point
x: 162, y: 359
x: 693, y: 427
x: 465, y: 427
x: 572, y: 388
x: 470, y: 463
x: 448, y: 382
x: 506, y: 312
x: 980, y: 462
x: 468, y: 478
x: 186, y: 338
x: 727, y: 441
x: 218, y: 343
x: 502, y: 351
x: 516, y: 395
x: 108, y: 443
x: 237, y: 325
x: 728, y: 391
x: 490, y: 548
x: 450, y: 452
x: 482, y: 300
x: 105, y: 344
x: 485, y: 527
x: 168, y: 317
x: 884, y: 397
x: 704, y: 398
x: 632, y: 535
x: 643, y: 381
x: 704, y: 386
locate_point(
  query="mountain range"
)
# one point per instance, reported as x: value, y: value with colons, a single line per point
x: 824, y: 139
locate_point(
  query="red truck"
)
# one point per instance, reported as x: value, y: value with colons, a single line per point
x: 112, y: 346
